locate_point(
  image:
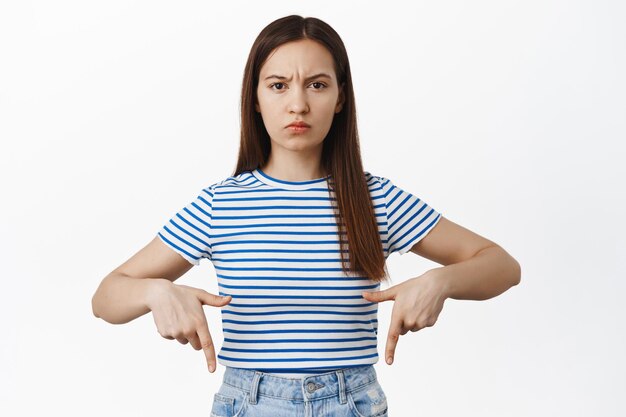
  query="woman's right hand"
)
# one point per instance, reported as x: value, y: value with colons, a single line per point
x: 178, y: 314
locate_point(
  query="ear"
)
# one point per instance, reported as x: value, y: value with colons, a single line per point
x: 257, y: 107
x: 341, y: 99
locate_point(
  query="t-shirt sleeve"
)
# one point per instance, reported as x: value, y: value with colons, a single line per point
x: 188, y: 232
x: 409, y: 219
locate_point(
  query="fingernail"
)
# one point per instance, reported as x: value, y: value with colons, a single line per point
x: 211, y: 368
x: 389, y: 360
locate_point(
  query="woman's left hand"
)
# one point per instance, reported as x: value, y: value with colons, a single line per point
x: 417, y: 304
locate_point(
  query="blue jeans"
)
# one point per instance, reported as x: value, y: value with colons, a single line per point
x: 347, y: 392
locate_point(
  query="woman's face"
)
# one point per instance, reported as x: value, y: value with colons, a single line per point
x: 298, y: 83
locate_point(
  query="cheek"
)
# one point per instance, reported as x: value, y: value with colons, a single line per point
x: 328, y: 104
x: 264, y: 101
x: 270, y: 118
x: 266, y: 109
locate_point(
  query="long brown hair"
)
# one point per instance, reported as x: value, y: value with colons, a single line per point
x: 341, y: 155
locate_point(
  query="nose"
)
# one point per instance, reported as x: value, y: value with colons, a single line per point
x: 298, y: 102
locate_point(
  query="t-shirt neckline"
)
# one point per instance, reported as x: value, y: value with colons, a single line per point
x: 290, y: 185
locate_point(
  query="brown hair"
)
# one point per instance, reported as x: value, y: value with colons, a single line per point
x: 341, y: 155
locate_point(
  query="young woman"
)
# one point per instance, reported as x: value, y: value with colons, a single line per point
x: 298, y: 236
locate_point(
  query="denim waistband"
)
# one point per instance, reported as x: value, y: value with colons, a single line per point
x: 308, y: 388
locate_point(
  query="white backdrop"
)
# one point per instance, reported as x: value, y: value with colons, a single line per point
x: 506, y: 116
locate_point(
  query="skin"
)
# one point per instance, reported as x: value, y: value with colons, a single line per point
x: 297, y: 156
x: 473, y: 267
x: 126, y: 293
x: 145, y: 283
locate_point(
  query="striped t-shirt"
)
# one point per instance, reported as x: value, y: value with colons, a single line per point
x: 275, y: 249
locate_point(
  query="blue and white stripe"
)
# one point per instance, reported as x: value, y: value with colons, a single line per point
x: 275, y: 249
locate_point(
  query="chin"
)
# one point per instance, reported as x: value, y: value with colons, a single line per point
x: 299, y: 147
x: 299, y: 143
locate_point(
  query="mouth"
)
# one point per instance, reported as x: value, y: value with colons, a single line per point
x: 299, y: 124
x: 297, y: 129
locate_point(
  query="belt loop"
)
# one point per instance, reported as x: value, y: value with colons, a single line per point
x: 254, y: 388
x: 342, y: 386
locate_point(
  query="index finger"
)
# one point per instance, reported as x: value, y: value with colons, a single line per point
x: 392, y: 340
x: 206, y: 341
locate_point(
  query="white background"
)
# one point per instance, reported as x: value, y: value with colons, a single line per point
x: 506, y: 116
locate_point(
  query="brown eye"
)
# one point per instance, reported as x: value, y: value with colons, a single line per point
x: 272, y: 85
x: 322, y: 85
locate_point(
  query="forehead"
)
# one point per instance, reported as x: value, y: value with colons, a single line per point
x: 303, y: 55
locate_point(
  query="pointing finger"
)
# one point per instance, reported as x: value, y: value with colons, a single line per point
x: 392, y: 341
x: 207, y: 346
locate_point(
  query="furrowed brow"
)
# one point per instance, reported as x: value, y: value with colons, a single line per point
x: 280, y: 77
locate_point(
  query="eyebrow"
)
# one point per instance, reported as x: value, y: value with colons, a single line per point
x: 280, y: 77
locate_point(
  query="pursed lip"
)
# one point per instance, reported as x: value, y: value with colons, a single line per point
x: 298, y: 124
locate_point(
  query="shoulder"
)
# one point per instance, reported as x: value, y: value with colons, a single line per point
x: 239, y: 181
x: 377, y: 182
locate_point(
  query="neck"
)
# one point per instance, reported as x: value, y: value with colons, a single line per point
x: 294, y: 166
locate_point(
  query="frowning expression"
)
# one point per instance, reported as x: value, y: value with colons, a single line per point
x: 297, y: 83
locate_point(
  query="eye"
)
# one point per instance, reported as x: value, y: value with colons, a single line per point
x: 319, y: 83
x: 272, y: 85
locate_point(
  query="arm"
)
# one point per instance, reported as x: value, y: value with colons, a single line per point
x: 145, y: 283
x: 475, y: 268
x: 125, y: 293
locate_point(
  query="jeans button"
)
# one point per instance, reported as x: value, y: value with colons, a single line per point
x: 310, y: 386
